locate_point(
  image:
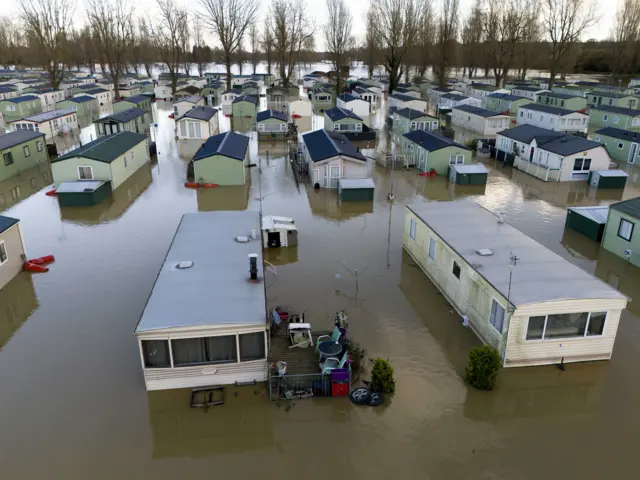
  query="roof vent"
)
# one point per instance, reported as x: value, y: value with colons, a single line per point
x: 184, y: 264
x: 242, y: 239
x: 484, y: 252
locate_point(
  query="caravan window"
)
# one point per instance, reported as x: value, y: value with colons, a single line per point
x: 204, y: 351
x: 252, y: 346
x: 156, y: 353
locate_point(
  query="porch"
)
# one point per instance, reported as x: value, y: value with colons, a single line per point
x: 537, y: 170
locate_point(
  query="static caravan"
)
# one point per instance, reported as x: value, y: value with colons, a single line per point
x: 183, y: 105
x: 357, y: 105
x: 48, y: 97
x: 244, y: 106
x: 137, y: 101
x: 617, y: 117
x: 480, y: 120
x: 547, y: 312
x: 222, y: 160
x: 52, y: 123
x: 131, y: 120
x: 11, y: 249
x: 198, y: 123
x: 300, y: 108
x: 404, y: 101
x: 279, y: 232
x: 620, y: 236
x: 623, y: 145
x: 271, y: 123
x: 562, y: 100
x: 183, y: 341
x: 228, y: 96
x: 552, y: 118
x: 20, y: 151
x: 8, y: 92
x: 112, y: 158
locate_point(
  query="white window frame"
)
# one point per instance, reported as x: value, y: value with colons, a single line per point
x: 456, y: 160
x: 412, y: 229
x: 628, y: 225
x: 493, y: 315
x: 39, y: 145
x: 555, y: 339
x: 432, y: 249
x: 84, y: 166
x: 125, y: 160
x: 616, y: 119
x: 27, y: 151
x: 6, y: 254
x: 620, y: 145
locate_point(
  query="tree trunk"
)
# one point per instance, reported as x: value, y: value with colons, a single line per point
x: 240, y: 67
x: 147, y: 68
x: 174, y: 83
x: 136, y: 67
x: 227, y: 62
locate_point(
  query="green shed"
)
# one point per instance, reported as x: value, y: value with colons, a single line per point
x: 356, y: 189
x: 589, y: 221
x: 608, y: 178
x: 475, y: 174
x: 82, y: 193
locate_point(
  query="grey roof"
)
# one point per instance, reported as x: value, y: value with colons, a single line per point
x: 630, y: 207
x: 411, y: 113
x: 610, y: 94
x: 105, y: 149
x: 483, y: 112
x: 618, y: 110
x: 431, y: 141
x: 454, y: 96
x: 595, y: 214
x: 6, y: 223
x: 337, y: 113
x: 246, y: 98
x: 123, y: 116
x: 50, y: 115
x: 568, y: 145
x: 199, y: 113
x: 216, y: 290
x: 540, y: 274
x: 612, y: 173
x: 190, y: 99
x: 526, y: 133
x: 564, y: 96
x: 619, y: 133
x: 323, y: 144
x: 12, y: 139
x: 355, y: 183
x: 404, y: 98
x: 507, y: 96
x: 528, y: 88
x: 267, y: 114
x: 79, y: 186
x: 228, y: 144
x: 538, y: 107
x: 470, y: 169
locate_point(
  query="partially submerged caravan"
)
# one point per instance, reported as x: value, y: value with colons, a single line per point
x: 279, y: 232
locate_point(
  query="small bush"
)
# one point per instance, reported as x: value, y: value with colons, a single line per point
x: 483, y: 368
x: 382, y: 376
x: 356, y: 355
x: 471, y: 145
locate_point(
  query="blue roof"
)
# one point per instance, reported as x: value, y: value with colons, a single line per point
x: 246, y: 98
x: 266, y: 114
x: 323, y: 144
x: 528, y: 88
x: 565, y: 96
x: 93, y: 91
x: 12, y: 139
x: 483, y: 112
x: 618, y: 110
x: 526, y: 133
x: 124, y: 115
x: 6, y: 223
x: 228, y: 144
x: 404, y: 98
x: 619, y: 133
x: 537, y: 107
x: 454, y: 96
x: 507, y: 96
x: 199, y: 113
x: 347, y: 97
x: 237, y: 91
x: 81, y: 99
x: 568, y: 145
x: 24, y: 98
x: 410, y: 113
x: 137, y: 99
x: 338, y: 113
x: 50, y: 115
x: 6, y: 89
x: 431, y: 141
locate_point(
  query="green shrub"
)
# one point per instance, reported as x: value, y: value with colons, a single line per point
x: 382, y: 376
x: 483, y: 368
x: 356, y: 355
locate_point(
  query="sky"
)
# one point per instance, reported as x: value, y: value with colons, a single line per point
x: 317, y: 11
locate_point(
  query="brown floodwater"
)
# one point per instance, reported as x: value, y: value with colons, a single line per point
x: 72, y: 398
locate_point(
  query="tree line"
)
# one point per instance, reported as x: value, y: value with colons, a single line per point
x: 403, y: 38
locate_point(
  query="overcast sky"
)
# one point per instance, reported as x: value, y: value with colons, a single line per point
x: 317, y: 11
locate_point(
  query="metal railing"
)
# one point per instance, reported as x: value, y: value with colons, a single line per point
x: 542, y: 172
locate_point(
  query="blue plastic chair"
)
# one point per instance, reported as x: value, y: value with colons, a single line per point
x: 333, y: 363
x: 335, y: 337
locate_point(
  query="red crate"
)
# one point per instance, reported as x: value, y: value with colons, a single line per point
x: 339, y: 389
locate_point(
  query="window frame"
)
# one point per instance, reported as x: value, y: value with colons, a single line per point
x: 492, y: 317
x: 26, y: 150
x: 555, y: 339
x: 144, y: 358
x: 434, y: 244
x: 413, y: 227
x: 7, y: 158
x: 39, y: 146
x: 3, y: 246
x: 620, y: 227
x: 84, y: 166
x: 453, y: 270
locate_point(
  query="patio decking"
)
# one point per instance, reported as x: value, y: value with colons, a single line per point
x: 300, y: 361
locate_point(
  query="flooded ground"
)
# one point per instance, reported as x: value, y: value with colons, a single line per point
x: 72, y: 398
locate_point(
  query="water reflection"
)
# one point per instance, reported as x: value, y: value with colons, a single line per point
x: 440, y: 188
x: 115, y: 205
x: 579, y: 245
x: 22, y: 186
x: 17, y: 302
x: 234, y: 197
x: 324, y: 202
x: 620, y: 274
x: 240, y: 425
x: 281, y: 256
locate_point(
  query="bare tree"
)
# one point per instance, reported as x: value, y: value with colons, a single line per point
x: 167, y: 36
x: 184, y: 36
x: 47, y: 24
x: 199, y: 46
x: 254, y: 46
x: 472, y: 40
x: 268, y: 43
x: 135, y: 46
x: 293, y: 32
x: 111, y: 25
x: 625, y: 35
x: 447, y: 34
x: 503, y: 24
x: 396, y: 25
x: 338, y: 39
x: 564, y: 22
x: 527, y: 51
x: 423, y: 49
x: 147, y: 47
x: 229, y: 20
x: 371, y: 46
x: 9, y: 41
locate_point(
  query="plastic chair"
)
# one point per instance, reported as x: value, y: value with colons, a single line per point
x: 333, y: 363
x: 335, y: 337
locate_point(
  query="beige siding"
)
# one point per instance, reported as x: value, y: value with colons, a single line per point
x: 120, y: 173
x: 599, y: 161
x: 67, y: 170
x: 14, y: 246
x: 471, y: 295
x: 533, y: 352
x: 348, y: 168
